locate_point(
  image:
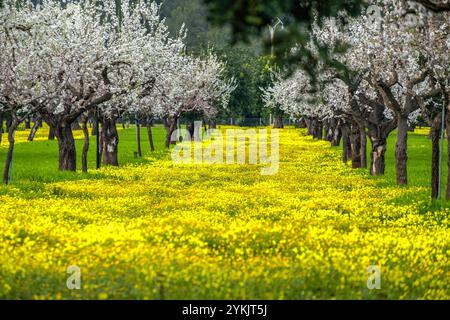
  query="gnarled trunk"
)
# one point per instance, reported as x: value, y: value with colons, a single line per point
x: 212, y: 124
x: 377, y: 163
x: 67, y: 150
x: 345, y: 143
x: 27, y: 123
x: 278, y: 122
x: 355, y: 141
x: 138, y: 138
x: 447, y: 123
x: 401, y: 156
x: 317, y: 129
x: 170, y: 125
x: 84, y: 165
x: 76, y: 125
x: 363, y: 150
x: 110, y: 141
x: 1, y: 127
x: 150, y: 135
x: 35, y: 128
x: 435, y: 153
x: 51, y: 133
x: 9, y: 156
x: 191, y: 130
x: 336, y: 139
x: 94, y: 130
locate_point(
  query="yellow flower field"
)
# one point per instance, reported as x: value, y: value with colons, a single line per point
x: 166, y: 231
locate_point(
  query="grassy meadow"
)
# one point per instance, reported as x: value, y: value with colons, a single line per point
x: 152, y: 229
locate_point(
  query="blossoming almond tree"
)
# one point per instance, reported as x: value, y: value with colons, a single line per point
x: 195, y: 84
x: 148, y: 58
x: 24, y: 88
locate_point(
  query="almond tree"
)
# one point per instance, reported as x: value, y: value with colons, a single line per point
x: 148, y: 57
x: 195, y: 84
x: 24, y: 88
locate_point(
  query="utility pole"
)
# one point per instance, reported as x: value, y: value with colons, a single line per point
x: 272, y: 34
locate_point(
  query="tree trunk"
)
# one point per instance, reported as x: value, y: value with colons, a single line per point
x: 355, y: 142
x: 212, y: 124
x: 9, y: 156
x: 94, y: 130
x: 435, y: 135
x: 377, y: 164
x: 401, y: 157
x: 309, y: 126
x: 84, y: 164
x: 150, y: 135
x: 76, y: 125
x: 278, y: 122
x: 345, y: 145
x: 51, y: 133
x: 110, y: 141
x: 337, y: 135
x: 67, y: 150
x: 191, y: 129
x: 138, y: 138
x: 447, y: 123
x: 329, y: 130
x: 363, y: 151
x: 34, y: 129
x: 317, y: 129
x: 170, y: 126
x: 27, y: 123
x: 1, y: 127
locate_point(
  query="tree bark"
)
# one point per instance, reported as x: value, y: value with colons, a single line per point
x: 76, y: 125
x: 212, y: 124
x: 138, y: 138
x: 110, y: 141
x: 67, y: 150
x: 345, y: 146
x: 377, y: 163
x: 191, y: 129
x: 35, y: 128
x: 51, y: 133
x: 170, y: 126
x: 363, y: 151
x: 447, y: 123
x: 309, y: 126
x: 84, y: 164
x: 401, y: 157
x: 329, y: 129
x: 1, y: 127
x: 278, y: 122
x: 435, y: 153
x: 27, y: 123
x: 317, y: 129
x: 9, y: 156
x: 94, y: 130
x: 355, y: 141
x: 150, y: 135
x: 337, y: 135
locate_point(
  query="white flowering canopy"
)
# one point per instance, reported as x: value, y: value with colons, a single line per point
x: 68, y: 59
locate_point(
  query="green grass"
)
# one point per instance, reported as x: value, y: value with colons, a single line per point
x: 419, y: 169
x: 38, y: 160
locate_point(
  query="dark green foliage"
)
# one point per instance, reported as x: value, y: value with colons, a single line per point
x: 251, y: 72
x: 249, y: 18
